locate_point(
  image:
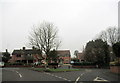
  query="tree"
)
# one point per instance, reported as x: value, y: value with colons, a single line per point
x: 116, y: 49
x: 53, y: 56
x: 119, y: 34
x: 6, y: 56
x: 45, y: 37
x: 88, y: 52
x: 103, y: 36
x: 97, y: 51
x: 76, y: 52
x: 111, y: 35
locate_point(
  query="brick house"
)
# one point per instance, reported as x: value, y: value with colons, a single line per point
x: 34, y: 55
x: 64, y: 56
x: 26, y: 55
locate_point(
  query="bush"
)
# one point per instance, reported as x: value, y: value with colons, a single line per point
x: 52, y: 64
x: 18, y: 63
x: 7, y: 64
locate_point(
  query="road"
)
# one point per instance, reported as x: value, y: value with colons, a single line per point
x: 25, y: 74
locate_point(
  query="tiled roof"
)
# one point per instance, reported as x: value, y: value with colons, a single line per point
x: 26, y: 51
x: 63, y: 52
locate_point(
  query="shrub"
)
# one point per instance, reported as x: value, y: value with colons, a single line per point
x: 17, y: 63
x: 52, y: 63
x: 7, y: 64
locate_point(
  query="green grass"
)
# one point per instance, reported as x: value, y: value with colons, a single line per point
x: 54, y: 70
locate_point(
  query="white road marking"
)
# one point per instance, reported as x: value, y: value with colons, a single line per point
x: 11, y: 69
x: 56, y: 76
x: 48, y: 73
x: 69, y: 80
x: 64, y: 78
x: 59, y: 77
x: 99, y: 79
x: 19, y: 74
x: 82, y: 74
x: 52, y: 75
x: 79, y: 78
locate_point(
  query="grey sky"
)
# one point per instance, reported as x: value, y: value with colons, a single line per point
x: 78, y: 21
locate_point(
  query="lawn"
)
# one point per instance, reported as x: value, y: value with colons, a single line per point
x: 54, y: 70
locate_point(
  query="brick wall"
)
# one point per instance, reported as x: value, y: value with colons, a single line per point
x: 115, y: 69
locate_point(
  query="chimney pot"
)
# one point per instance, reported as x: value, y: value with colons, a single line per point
x: 23, y: 48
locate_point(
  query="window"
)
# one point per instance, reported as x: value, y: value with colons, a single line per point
x: 18, y: 55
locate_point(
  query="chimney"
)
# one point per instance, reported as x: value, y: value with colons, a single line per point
x: 33, y: 48
x: 23, y: 48
x: 6, y: 50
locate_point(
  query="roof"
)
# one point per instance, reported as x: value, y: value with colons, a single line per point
x: 26, y: 51
x: 63, y: 52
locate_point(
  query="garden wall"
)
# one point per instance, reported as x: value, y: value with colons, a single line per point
x: 115, y: 69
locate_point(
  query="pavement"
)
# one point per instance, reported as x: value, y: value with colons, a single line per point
x: 83, y: 76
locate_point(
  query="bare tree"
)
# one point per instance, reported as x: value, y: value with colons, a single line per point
x: 119, y: 34
x: 111, y: 35
x: 103, y: 36
x: 45, y: 37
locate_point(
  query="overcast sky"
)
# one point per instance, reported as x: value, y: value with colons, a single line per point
x: 78, y: 21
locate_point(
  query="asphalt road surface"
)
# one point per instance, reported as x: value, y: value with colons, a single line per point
x: 90, y: 75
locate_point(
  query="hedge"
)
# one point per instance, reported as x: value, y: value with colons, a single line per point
x: 52, y: 63
x: 84, y: 64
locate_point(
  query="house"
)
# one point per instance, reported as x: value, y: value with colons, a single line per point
x: 64, y: 56
x: 26, y: 55
x: 80, y: 57
x: 35, y: 55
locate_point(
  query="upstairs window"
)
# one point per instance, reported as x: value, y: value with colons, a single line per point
x: 18, y: 55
